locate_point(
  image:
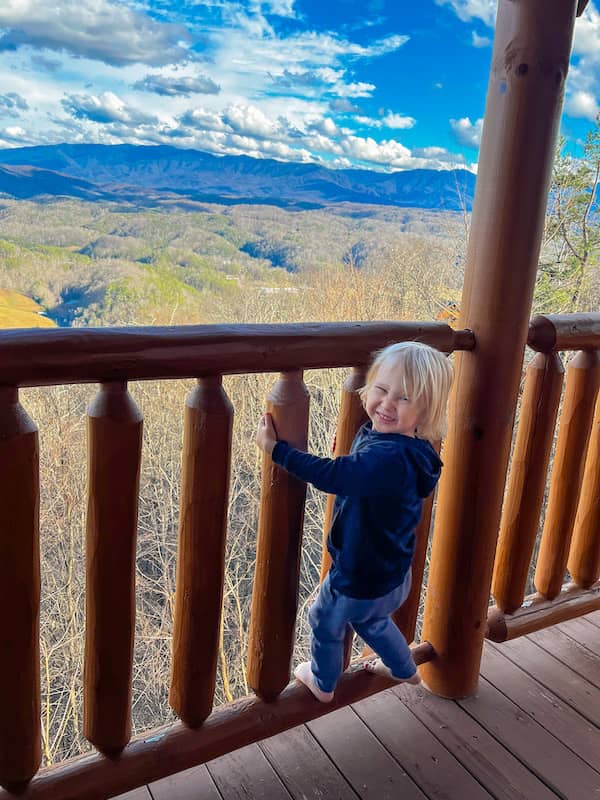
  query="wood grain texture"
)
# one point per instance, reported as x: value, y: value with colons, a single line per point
x: 201, y: 555
x: 556, y: 332
x: 537, y: 613
x: 583, y: 377
x: 584, y: 555
x: 20, y: 735
x: 527, y: 482
x: 77, y: 355
x: 522, y: 116
x: 280, y: 522
x: 114, y: 429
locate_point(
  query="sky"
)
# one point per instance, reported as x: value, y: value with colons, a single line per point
x: 377, y: 84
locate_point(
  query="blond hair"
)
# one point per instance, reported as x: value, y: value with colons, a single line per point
x: 427, y: 378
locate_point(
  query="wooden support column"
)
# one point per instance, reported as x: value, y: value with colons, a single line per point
x: 277, y: 574
x: 201, y: 557
x: 114, y: 428
x: 20, y: 735
x: 529, y: 469
x: 525, y: 93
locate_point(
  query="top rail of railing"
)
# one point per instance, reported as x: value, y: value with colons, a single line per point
x: 554, y: 332
x: 34, y: 357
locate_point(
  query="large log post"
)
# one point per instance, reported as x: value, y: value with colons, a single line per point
x: 277, y: 574
x: 583, y: 373
x: 201, y: 557
x: 20, y: 734
x: 529, y: 469
x: 114, y: 428
x: 525, y: 92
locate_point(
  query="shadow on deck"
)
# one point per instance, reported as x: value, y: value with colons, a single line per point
x: 531, y: 732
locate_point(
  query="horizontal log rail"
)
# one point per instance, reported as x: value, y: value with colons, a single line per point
x: 537, y: 612
x: 553, y: 332
x: 174, y: 748
x: 104, y: 355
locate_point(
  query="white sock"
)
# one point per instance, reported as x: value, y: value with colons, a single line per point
x: 379, y: 668
x: 304, y: 674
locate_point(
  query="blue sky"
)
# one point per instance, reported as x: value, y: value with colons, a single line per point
x: 382, y: 84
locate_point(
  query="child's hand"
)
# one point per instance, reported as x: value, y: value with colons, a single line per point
x: 266, y: 436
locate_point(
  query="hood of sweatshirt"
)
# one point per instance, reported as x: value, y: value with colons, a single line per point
x: 426, y: 462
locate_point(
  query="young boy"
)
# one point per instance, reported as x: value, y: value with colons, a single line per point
x: 380, y: 487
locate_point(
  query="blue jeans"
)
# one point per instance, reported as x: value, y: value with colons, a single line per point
x: 332, y: 612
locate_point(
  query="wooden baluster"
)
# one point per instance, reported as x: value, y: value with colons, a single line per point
x: 20, y: 733
x: 521, y: 514
x: 406, y: 616
x: 275, y: 594
x: 114, y: 429
x: 201, y: 558
x: 583, y: 374
x: 351, y: 416
x: 584, y: 558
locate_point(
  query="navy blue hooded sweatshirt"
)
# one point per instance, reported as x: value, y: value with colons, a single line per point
x: 380, y: 487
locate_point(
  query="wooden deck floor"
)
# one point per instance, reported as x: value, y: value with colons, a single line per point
x: 532, y: 732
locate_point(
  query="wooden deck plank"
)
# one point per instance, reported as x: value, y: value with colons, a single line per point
x: 584, y: 632
x: 305, y: 768
x: 364, y: 762
x: 594, y: 617
x: 491, y: 763
x: 572, y: 654
x: 439, y: 774
x: 246, y: 773
x: 135, y: 794
x: 548, y: 758
x: 192, y: 784
x: 574, y: 690
x: 573, y: 730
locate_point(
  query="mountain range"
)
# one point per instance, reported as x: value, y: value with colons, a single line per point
x: 157, y: 175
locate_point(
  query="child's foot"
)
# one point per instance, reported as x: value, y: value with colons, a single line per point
x: 303, y: 674
x: 379, y: 668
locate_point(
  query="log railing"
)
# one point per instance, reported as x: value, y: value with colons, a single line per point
x: 571, y: 532
x: 112, y: 358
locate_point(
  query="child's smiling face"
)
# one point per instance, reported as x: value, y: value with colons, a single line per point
x: 387, y: 404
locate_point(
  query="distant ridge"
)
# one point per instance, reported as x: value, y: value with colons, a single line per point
x: 145, y: 174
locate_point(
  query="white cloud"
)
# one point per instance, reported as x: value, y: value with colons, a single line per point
x: 98, y: 29
x: 466, y: 10
x: 398, y: 121
x: 480, y: 41
x: 184, y: 85
x: 243, y: 119
x: 14, y: 133
x: 282, y: 8
x: 390, y: 120
x: 582, y: 104
x: 583, y: 81
x: 107, y: 108
x: 587, y: 34
x: 466, y: 132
